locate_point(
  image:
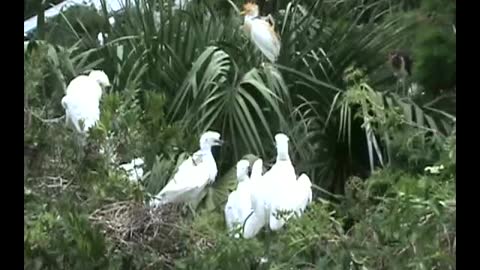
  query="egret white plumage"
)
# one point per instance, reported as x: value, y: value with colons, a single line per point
x: 82, y: 100
x: 261, y: 32
x: 193, y: 174
x: 239, y: 204
x: 281, y: 179
x: 258, y: 219
x: 303, y: 193
x: 257, y: 170
x: 134, y: 169
x: 100, y: 39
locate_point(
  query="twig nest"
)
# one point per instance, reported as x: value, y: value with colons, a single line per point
x: 133, y: 225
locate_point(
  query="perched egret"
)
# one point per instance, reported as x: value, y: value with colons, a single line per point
x: 304, y: 193
x: 257, y: 170
x: 82, y: 100
x: 258, y: 219
x: 261, y: 32
x: 192, y: 175
x: 282, y: 183
x: 239, y: 204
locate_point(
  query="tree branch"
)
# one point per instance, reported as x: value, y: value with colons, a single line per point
x: 47, y: 121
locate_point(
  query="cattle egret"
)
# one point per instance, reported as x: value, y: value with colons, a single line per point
x: 303, y: 193
x: 82, y: 100
x: 258, y: 219
x: 281, y: 180
x: 239, y: 205
x: 257, y: 170
x: 192, y: 175
x: 261, y: 32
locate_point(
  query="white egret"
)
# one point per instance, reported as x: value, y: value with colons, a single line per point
x: 192, y: 175
x: 82, y: 100
x: 261, y: 32
x: 257, y: 170
x: 239, y: 205
x: 281, y: 182
x: 303, y: 193
x: 277, y: 191
x: 257, y: 220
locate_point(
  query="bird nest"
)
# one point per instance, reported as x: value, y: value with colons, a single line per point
x: 132, y: 225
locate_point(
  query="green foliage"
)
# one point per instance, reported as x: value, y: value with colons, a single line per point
x: 435, y: 46
x: 212, y: 248
x: 407, y: 224
x: 440, y: 61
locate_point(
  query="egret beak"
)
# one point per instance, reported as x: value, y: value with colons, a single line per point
x: 242, y: 12
x: 219, y: 142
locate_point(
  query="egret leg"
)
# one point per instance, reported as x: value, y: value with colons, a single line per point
x: 268, y: 240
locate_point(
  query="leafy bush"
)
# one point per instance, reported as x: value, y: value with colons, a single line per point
x: 391, y: 221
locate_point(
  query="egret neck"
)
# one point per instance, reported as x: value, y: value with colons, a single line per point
x: 282, y: 152
x: 207, y: 158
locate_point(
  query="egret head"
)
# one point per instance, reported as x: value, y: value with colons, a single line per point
x: 250, y: 9
x: 281, y: 142
x: 242, y: 169
x: 209, y: 139
x: 100, y: 77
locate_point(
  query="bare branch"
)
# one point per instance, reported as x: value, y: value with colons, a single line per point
x: 47, y: 121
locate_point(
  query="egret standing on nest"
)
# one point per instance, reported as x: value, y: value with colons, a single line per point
x: 82, y: 100
x: 261, y: 32
x: 193, y: 175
